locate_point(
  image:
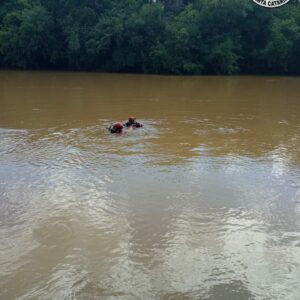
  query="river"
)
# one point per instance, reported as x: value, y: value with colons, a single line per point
x: 203, y: 202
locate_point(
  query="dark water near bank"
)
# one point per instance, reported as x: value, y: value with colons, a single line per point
x: 202, y: 203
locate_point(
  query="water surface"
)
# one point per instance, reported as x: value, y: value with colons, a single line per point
x: 202, y: 203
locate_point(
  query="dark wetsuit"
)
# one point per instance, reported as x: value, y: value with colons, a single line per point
x: 113, y: 129
x: 133, y: 124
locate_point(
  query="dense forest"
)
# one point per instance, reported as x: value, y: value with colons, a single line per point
x: 144, y: 36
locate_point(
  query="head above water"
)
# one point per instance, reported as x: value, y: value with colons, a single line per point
x: 118, y: 125
x: 131, y: 119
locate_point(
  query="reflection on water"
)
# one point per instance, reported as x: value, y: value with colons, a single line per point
x: 202, y: 203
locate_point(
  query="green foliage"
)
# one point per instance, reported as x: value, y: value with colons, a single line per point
x: 23, y: 41
x: 166, y: 37
x: 284, y: 34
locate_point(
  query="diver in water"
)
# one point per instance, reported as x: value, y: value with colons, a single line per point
x: 132, y: 123
x: 116, y: 128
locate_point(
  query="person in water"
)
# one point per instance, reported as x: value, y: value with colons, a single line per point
x: 116, y: 128
x: 132, y: 123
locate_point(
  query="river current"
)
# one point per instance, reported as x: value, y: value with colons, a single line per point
x: 203, y: 202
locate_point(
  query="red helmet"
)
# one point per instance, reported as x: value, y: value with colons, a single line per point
x: 118, y: 125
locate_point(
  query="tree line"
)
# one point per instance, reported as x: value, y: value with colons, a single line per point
x: 148, y: 36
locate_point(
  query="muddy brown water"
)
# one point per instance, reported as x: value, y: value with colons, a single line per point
x: 202, y: 203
